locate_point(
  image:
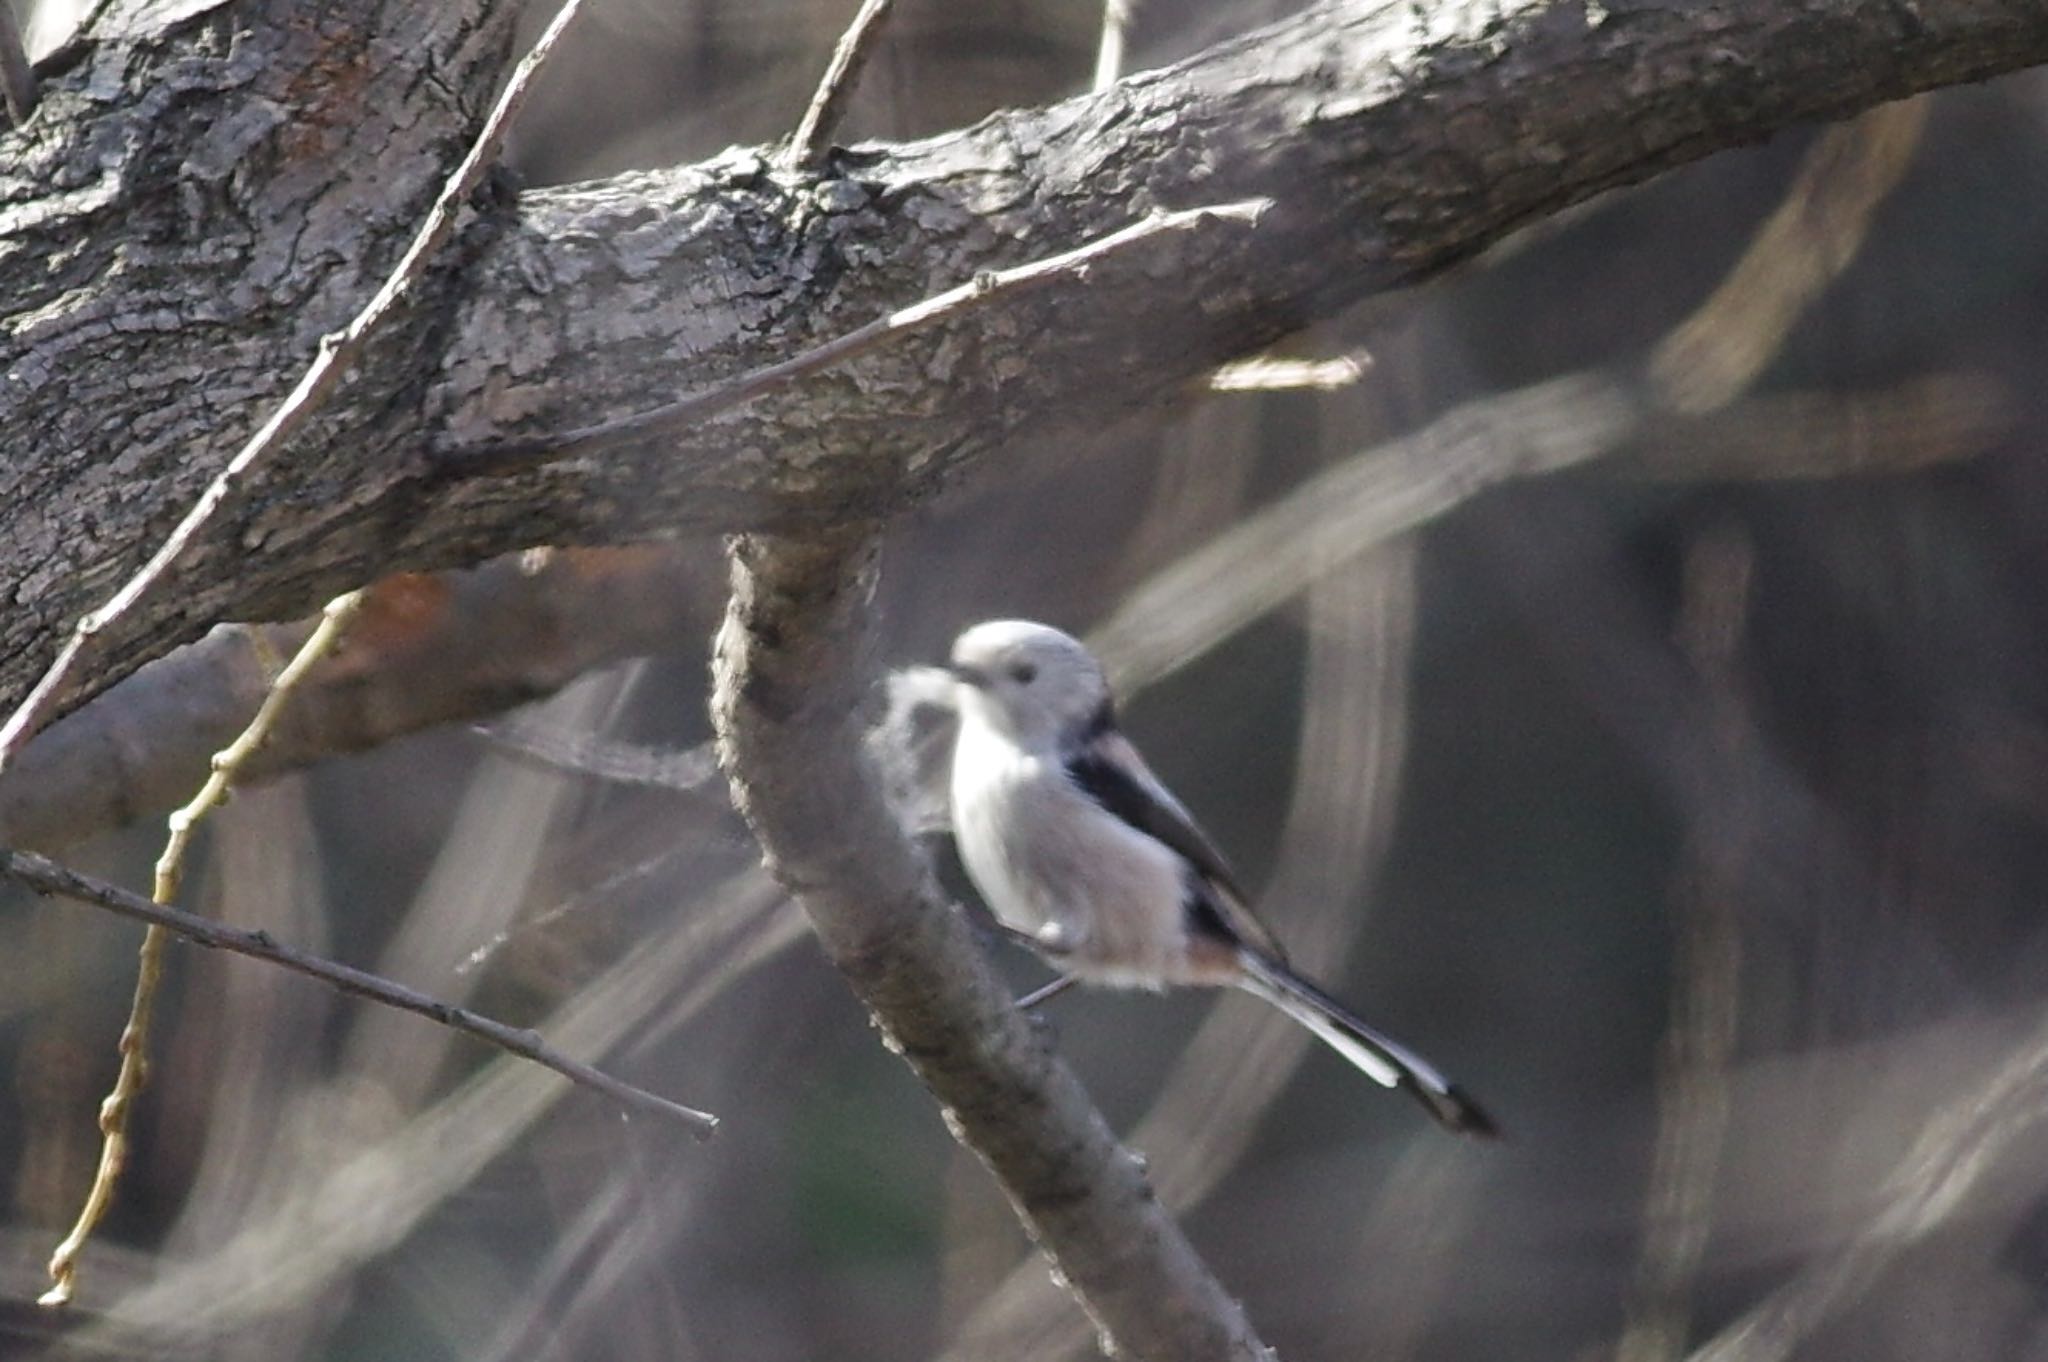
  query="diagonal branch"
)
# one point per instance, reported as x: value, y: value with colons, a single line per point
x: 429, y: 650
x: 48, y: 877
x: 792, y: 669
x: 119, y: 1106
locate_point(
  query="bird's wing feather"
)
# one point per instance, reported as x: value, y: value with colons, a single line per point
x: 1110, y: 771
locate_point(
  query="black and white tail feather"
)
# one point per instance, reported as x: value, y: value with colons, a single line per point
x: 1379, y: 1057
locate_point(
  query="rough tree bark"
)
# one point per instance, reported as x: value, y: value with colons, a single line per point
x: 207, y: 187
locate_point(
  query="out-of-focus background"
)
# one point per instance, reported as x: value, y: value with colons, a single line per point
x: 1629, y: 692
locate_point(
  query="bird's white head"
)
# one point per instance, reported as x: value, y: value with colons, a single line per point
x: 1040, y: 687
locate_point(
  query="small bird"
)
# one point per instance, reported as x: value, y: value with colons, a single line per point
x: 1083, y: 855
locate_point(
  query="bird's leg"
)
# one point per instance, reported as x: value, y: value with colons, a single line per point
x: 1052, y: 940
x: 1046, y: 992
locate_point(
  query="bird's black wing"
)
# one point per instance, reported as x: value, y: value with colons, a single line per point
x: 1109, y: 770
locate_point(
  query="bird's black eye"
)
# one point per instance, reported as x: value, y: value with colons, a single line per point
x: 1023, y: 673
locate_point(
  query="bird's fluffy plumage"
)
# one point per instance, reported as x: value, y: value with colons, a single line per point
x: 1080, y: 849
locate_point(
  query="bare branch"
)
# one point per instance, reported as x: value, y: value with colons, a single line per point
x: 505, y: 457
x: 1696, y: 1060
x: 599, y: 757
x: 337, y: 354
x: 1251, y: 568
x: 269, y: 1261
x: 48, y: 877
x: 1960, y: 1147
x: 814, y: 134
x: 793, y: 664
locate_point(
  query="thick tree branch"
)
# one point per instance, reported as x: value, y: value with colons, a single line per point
x: 466, y: 645
x: 793, y: 670
x: 338, y: 353
x: 1396, y: 139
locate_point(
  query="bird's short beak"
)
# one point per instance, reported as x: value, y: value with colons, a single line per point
x: 968, y: 676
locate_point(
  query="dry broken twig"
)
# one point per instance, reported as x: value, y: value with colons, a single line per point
x: 48, y: 877
x: 813, y: 135
x: 17, y: 77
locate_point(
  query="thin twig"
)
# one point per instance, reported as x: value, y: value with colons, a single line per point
x: 170, y: 870
x: 505, y: 457
x: 1116, y: 27
x: 334, y: 621
x: 813, y: 135
x: 48, y: 877
x: 268, y: 1263
x: 338, y: 353
x: 170, y: 873
x: 17, y: 77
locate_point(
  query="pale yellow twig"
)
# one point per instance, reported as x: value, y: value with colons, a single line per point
x: 1715, y: 355
x: 170, y: 872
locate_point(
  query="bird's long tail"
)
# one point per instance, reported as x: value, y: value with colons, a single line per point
x: 1384, y: 1060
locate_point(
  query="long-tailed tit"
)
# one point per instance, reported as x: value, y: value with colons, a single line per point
x: 1080, y: 851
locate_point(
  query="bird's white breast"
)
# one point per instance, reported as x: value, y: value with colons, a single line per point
x: 1042, y: 852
